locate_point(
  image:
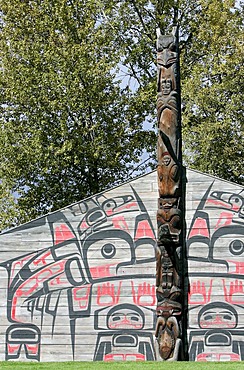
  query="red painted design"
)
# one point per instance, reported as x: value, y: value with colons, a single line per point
x: 229, y: 356
x: 144, y: 295
x: 235, y: 295
x: 106, y: 294
x: 124, y: 357
x: 125, y: 320
x: 59, y: 281
x: 13, y: 348
x: 62, y: 233
x: 43, y: 259
x: 32, y: 348
x: 81, y: 295
x: 43, y: 282
x: 127, y: 206
x: 99, y: 272
x: 33, y: 282
x: 144, y: 229
x: 217, y: 320
x: 199, y: 294
x: 17, y: 265
x: 84, y: 225
x: 225, y: 219
x: 120, y: 223
x: 109, y: 212
x: 217, y: 203
x: 165, y: 153
x: 235, y: 207
x: 200, y: 227
x: 13, y: 309
x: 236, y: 267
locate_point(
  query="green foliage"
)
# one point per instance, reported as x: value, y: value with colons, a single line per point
x: 78, y: 83
x: 212, y: 88
x: 68, y: 129
x: 9, y: 210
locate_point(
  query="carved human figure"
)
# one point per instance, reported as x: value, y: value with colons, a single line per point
x: 169, y: 214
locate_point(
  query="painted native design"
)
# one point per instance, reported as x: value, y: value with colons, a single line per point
x: 89, y: 284
x: 79, y: 284
x: 216, y: 274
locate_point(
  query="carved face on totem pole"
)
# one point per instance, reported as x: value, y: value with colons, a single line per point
x: 166, y: 86
x: 169, y: 214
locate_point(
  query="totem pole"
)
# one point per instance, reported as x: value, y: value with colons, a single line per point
x: 169, y: 215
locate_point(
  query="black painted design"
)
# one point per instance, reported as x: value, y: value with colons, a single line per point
x: 97, y: 245
x: 216, y: 297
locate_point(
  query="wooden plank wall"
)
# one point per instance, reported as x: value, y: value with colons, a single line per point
x: 215, y: 244
x: 79, y: 284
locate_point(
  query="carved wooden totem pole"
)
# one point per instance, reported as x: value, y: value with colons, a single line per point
x: 169, y: 214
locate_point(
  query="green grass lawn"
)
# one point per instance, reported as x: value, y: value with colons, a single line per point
x: 123, y: 365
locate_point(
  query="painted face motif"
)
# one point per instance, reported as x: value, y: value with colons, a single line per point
x: 125, y: 317
x: 217, y: 315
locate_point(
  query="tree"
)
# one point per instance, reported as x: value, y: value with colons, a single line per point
x: 212, y: 56
x: 68, y: 128
x: 212, y: 88
x: 9, y: 210
x: 78, y: 84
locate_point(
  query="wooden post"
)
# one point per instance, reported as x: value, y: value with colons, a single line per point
x: 169, y: 215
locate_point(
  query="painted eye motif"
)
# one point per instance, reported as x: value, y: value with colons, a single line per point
x: 108, y: 250
x: 236, y: 202
x: 109, y: 205
x: 236, y: 247
x: 125, y: 318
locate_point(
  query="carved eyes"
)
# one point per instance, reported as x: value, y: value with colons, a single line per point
x: 172, y: 47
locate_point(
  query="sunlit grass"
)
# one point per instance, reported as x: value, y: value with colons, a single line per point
x: 123, y: 365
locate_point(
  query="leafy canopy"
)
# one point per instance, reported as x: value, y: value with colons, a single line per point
x: 212, y: 86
